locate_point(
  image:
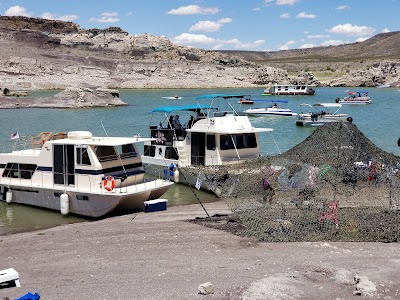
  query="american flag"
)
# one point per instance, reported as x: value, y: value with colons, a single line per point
x: 14, y: 136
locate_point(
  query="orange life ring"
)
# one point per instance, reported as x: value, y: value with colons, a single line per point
x: 109, y: 183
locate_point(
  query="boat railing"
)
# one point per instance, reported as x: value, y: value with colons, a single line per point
x: 81, y: 183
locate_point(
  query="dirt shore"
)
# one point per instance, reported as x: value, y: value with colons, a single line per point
x: 160, y: 256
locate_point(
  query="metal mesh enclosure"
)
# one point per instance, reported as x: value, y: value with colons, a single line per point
x: 336, y: 185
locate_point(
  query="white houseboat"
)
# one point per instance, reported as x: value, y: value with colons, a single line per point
x: 213, y: 137
x: 80, y: 174
x: 288, y: 90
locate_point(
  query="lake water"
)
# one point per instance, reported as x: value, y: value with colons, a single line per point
x: 378, y: 121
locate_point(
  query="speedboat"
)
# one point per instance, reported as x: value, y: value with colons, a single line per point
x: 78, y: 173
x: 288, y: 90
x: 176, y: 97
x: 273, y: 110
x: 320, y: 114
x: 246, y: 100
x: 360, y: 97
x: 213, y: 137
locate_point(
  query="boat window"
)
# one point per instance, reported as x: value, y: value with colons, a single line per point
x: 15, y: 170
x: 82, y: 156
x: 241, y: 141
x: 210, y: 142
x: 171, y: 153
x: 106, y: 153
x: 149, y: 151
x: 127, y: 151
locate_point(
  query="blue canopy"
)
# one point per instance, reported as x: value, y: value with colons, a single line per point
x: 225, y: 96
x: 190, y: 107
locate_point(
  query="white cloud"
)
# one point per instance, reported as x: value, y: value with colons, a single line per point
x: 285, y: 16
x: 318, y: 36
x: 306, y: 16
x: 249, y: 45
x: 106, y: 17
x: 361, y: 39
x: 343, y: 7
x: 69, y: 18
x: 305, y: 46
x: 65, y: 18
x: 225, y: 21
x: 256, y: 9
x: 17, y: 11
x: 332, y: 43
x: 349, y: 29
x: 385, y: 30
x: 189, y: 39
x: 193, y: 10
x: 206, y: 26
x: 48, y: 16
x: 286, y: 45
x: 210, y: 26
x: 286, y: 2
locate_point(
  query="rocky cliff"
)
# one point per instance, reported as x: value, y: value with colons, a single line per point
x: 45, y: 54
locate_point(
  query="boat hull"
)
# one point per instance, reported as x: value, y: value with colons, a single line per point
x: 87, y: 203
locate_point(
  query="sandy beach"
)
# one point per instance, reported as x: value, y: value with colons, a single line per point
x: 160, y: 256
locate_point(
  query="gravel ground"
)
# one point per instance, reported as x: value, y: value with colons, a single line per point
x: 160, y: 256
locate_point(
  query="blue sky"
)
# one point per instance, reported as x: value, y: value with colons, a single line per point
x: 268, y: 25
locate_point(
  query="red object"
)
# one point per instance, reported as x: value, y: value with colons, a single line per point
x: 109, y: 183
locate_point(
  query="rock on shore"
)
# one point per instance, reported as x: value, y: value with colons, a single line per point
x: 69, y: 98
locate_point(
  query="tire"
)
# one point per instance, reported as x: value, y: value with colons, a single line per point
x: 350, y: 119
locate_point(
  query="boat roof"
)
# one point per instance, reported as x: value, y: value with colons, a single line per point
x: 101, y: 141
x: 189, y: 107
x: 232, y: 131
x: 323, y: 104
x: 225, y: 96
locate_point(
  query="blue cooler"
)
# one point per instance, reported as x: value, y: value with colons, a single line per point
x: 155, y: 205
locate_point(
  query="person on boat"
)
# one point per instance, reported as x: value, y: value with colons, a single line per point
x: 170, y: 122
x: 177, y: 126
x: 274, y: 106
x: 160, y: 126
x: 190, y: 122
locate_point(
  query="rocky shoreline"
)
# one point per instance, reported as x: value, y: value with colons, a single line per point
x: 40, y: 54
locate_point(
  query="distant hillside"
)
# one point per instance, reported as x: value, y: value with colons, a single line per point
x: 380, y: 46
x: 48, y: 54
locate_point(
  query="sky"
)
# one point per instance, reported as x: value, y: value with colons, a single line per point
x: 256, y: 25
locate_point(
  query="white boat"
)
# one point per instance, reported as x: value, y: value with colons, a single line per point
x: 77, y: 173
x: 176, y: 97
x: 360, y: 97
x: 215, y: 137
x: 273, y: 110
x: 320, y: 114
x: 288, y: 90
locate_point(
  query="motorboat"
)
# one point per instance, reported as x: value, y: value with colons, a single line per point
x: 212, y: 136
x: 176, y: 97
x: 272, y: 110
x: 78, y: 173
x: 360, y: 97
x: 246, y: 100
x: 289, y: 90
x: 321, y: 113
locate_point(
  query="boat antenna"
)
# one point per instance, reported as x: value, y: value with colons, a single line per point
x: 104, y: 128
